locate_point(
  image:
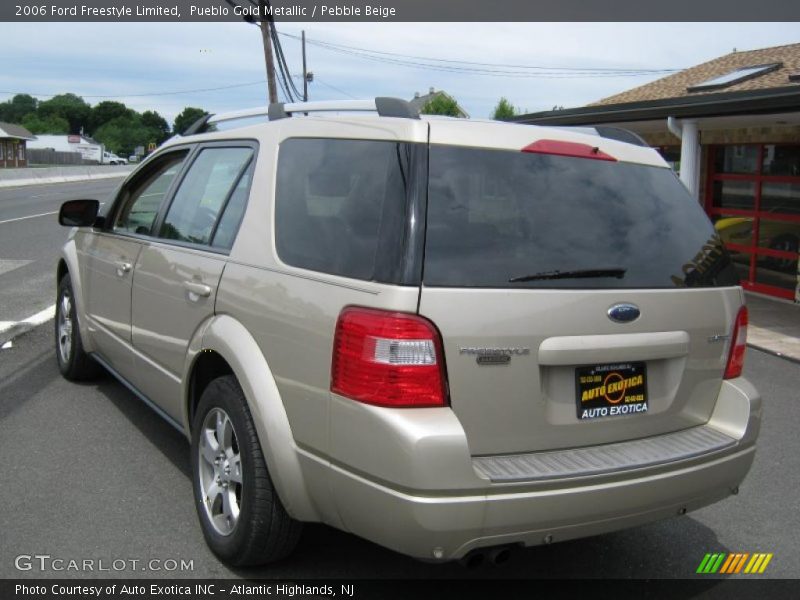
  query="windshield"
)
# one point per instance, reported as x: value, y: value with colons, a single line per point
x: 508, y: 219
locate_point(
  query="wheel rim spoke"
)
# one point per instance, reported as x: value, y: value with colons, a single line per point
x: 219, y: 467
x: 235, y: 463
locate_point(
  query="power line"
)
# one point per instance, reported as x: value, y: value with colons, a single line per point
x: 482, y: 67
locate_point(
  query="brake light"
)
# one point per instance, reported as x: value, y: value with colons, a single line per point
x: 738, y: 346
x: 388, y: 359
x: 562, y: 148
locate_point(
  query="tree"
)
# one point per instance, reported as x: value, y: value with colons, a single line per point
x: 15, y: 109
x: 441, y: 104
x: 122, y: 134
x: 158, y: 124
x: 186, y: 118
x: 104, y: 112
x: 51, y: 124
x: 69, y: 107
x: 504, y: 110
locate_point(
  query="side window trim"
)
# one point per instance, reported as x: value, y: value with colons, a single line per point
x: 242, y: 172
x: 187, y: 165
x: 123, y: 196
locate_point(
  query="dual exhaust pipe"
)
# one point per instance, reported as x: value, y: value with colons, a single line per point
x: 496, y: 555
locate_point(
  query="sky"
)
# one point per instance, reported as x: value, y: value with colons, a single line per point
x: 143, y: 64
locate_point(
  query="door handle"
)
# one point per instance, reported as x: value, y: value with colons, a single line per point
x: 123, y: 268
x: 197, y: 290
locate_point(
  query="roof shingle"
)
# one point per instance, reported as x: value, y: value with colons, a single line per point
x: 674, y: 86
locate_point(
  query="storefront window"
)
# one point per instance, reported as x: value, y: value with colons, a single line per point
x: 780, y: 197
x: 21, y: 151
x: 734, y: 194
x: 736, y: 159
x: 781, y: 160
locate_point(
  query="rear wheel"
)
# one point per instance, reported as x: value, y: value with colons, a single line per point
x: 73, y: 362
x: 243, y: 519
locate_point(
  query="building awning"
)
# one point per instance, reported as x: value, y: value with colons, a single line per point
x: 749, y: 102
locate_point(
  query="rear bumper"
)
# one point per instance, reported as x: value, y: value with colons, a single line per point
x: 419, y: 492
x: 449, y: 527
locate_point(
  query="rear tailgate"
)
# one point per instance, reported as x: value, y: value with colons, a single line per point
x: 532, y: 402
x: 529, y: 256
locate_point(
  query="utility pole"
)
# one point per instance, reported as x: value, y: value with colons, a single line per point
x: 305, y: 73
x: 264, y: 25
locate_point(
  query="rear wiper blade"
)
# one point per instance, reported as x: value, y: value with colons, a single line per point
x: 578, y: 274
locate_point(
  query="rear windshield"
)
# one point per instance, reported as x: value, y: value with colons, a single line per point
x: 507, y: 219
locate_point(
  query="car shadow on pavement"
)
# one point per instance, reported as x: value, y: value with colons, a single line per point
x: 169, y: 441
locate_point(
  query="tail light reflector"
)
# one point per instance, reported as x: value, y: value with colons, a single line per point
x: 388, y: 359
x: 738, y: 346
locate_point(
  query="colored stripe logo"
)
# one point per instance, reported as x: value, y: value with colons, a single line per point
x: 738, y: 562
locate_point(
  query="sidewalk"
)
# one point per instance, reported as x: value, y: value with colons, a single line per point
x: 774, y: 326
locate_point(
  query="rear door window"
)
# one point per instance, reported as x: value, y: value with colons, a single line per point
x: 203, y: 194
x: 506, y: 219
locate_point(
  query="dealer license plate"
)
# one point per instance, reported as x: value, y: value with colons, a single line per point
x: 611, y: 390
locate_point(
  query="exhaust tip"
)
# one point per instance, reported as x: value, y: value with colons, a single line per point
x: 473, y: 560
x: 498, y: 556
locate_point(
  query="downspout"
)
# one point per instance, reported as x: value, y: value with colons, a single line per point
x: 686, y: 131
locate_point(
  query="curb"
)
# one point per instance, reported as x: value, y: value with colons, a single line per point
x: 54, y: 176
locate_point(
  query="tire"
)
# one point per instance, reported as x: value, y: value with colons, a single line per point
x: 252, y: 527
x: 73, y: 362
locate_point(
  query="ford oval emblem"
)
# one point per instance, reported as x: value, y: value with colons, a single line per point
x: 623, y: 313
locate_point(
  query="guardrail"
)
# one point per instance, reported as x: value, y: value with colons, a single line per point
x: 34, y: 175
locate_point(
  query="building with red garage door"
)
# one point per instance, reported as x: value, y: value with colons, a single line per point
x: 731, y: 128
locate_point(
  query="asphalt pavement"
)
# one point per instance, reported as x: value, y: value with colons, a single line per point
x: 89, y: 473
x: 30, y: 238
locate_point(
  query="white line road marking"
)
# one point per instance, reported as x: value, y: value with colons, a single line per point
x: 55, y: 212
x: 6, y: 266
x: 43, y: 316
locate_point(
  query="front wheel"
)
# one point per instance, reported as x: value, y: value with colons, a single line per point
x: 243, y: 519
x: 73, y: 362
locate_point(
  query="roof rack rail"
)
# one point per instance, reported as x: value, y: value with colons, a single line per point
x: 385, y: 107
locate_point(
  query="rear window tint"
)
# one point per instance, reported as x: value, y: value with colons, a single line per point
x: 520, y: 220
x: 339, y: 204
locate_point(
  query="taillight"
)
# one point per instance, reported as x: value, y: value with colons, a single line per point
x: 388, y: 359
x: 562, y: 148
x: 738, y: 346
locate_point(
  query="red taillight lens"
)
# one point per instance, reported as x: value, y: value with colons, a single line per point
x: 738, y: 346
x: 562, y: 148
x: 388, y: 359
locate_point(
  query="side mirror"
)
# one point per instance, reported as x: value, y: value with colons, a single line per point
x: 78, y: 213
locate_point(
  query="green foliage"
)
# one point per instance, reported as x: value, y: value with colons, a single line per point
x: 51, y: 124
x: 186, y: 118
x: 112, y: 123
x: 104, y: 112
x: 14, y: 110
x: 154, y: 121
x: 122, y: 134
x: 69, y: 107
x: 504, y: 110
x: 441, y: 104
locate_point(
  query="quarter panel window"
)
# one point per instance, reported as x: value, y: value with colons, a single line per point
x: 203, y: 193
x: 337, y: 201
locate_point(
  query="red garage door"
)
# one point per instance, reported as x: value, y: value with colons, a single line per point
x: 753, y: 197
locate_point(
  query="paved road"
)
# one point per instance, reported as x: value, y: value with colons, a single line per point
x: 29, y: 240
x: 88, y: 471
